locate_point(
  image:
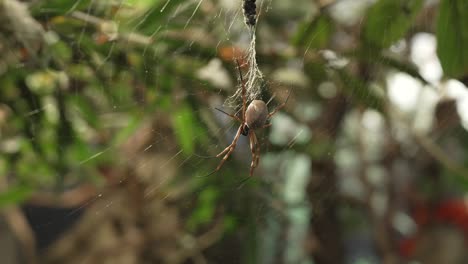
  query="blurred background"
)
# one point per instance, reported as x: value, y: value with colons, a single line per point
x: 108, y: 131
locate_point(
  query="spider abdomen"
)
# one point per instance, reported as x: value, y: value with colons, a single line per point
x: 256, y: 114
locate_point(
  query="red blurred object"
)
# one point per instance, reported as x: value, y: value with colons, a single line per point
x: 452, y: 212
x: 407, y: 247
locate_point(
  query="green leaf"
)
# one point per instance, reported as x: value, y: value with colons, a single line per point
x: 82, y: 107
x: 14, y: 195
x: 205, y: 210
x: 133, y: 124
x: 61, y: 51
x: 154, y: 18
x: 406, y: 67
x: 184, y: 126
x: 452, y: 37
x: 59, y: 7
x: 378, y: 58
x: 315, y: 33
x: 389, y: 20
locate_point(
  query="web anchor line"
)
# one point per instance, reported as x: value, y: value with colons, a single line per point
x: 254, y: 77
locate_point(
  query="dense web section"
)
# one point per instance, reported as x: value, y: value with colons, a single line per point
x: 254, y: 77
x: 254, y: 81
x: 182, y: 12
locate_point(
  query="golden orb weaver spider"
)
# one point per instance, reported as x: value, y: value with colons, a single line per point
x: 254, y: 117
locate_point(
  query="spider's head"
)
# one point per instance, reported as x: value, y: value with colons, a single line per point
x: 245, y: 130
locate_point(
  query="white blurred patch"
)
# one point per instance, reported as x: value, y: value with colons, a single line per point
x: 307, y: 111
x: 373, y: 134
x: 349, y: 12
x: 285, y: 131
x: 459, y: 91
x: 290, y: 76
x: 333, y: 60
x: 423, y: 54
x: 298, y: 171
x: 229, y: 4
x: 404, y: 224
x: 347, y: 160
x: 377, y: 176
x: 399, y: 46
x: 424, y: 113
x: 214, y: 73
x: 327, y: 90
x: 410, y: 96
x: 403, y: 91
x: 372, y: 120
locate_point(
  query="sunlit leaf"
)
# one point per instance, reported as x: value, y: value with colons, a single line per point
x: 452, y: 37
x: 155, y: 17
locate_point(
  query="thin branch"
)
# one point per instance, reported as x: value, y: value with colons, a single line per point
x: 432, y: 148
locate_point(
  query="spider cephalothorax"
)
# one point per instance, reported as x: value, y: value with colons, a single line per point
x: 254, y: 116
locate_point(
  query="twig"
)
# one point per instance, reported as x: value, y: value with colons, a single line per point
x: 437, y: 153
x: 432, y: 149
x: 23, y: 232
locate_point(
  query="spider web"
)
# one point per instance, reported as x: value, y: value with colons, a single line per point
x: 285, y: 131
x: 254, y: 81
x: 178, y: 159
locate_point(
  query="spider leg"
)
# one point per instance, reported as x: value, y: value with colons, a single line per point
x: 279, y: 107
x: 233, y: 143
x: 255, y: 149
x: 232, y: 116
x: 252, y: 150
x: 228, y: 150
x: 244, y: 99
x: 271, y: 99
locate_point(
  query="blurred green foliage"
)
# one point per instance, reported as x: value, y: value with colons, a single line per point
x: 388, y: 21
x: 452, y: 37
x: 102, y: 69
